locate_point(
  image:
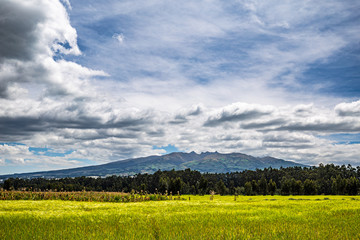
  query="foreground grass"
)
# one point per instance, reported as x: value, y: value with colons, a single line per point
x: 256, y: 217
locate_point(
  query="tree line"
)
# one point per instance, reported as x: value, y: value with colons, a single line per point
x: 323, y: 179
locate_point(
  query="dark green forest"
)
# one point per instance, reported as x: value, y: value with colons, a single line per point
x: 325, y: 179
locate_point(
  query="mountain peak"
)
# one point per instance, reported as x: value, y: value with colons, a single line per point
x: 205, y: 162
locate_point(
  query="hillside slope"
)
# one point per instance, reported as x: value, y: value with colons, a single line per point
x: 205, y: 162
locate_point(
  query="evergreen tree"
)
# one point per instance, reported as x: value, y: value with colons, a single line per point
x: 352, y: 186
x: 338, y: 185
x: 203, y: 185
x: 255, y: 187
x: 285, y: 186
x: 272, y: 187
x: 263, y: 186
x: 221, y: 188
x: 310, y: 187
x: 248, y: 188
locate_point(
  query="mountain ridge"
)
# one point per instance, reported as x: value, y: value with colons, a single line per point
x: 213, y: 162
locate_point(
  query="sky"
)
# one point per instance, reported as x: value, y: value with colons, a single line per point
x: 90, y: 82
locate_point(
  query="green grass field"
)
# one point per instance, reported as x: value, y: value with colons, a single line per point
x: 249, y: 217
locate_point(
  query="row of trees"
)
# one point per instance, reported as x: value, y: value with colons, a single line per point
x: 339, y: 186
x: 324, y: 179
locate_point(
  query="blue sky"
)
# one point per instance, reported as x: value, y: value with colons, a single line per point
x: 226, y: 45
x: 98, y: 81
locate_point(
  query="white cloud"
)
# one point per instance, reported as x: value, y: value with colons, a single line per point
x: 181, y: 55
x: 7, y: 150
x: 103, y: 140
x: 47, y: 28
x: 203, y: 76
x: 14, y: 154
x: 348, y: 109
x: 119, y: 37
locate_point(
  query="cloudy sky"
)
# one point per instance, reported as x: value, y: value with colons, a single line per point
x: 89, y: 82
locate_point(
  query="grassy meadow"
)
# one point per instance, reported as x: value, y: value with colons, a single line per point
x: 247, y: 217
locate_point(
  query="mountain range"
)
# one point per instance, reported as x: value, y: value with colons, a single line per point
x: 212, y: 162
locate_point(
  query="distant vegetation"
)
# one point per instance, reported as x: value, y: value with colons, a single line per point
x: 324, y: 179
x: 84, y: 196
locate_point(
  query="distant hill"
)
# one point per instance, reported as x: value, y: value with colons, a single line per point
x: 212, y: 162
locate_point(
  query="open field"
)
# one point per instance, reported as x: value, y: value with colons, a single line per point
x: 85, y: 196
x: 249, y: 217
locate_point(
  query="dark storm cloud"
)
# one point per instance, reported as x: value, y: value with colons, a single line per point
x: 232, y: 117
x: 20, y: 126
x: 27, y: 126
x: 185, y: 114
x: 196, y: 111
x: 17, y: 30
x: 178, y: 121
x: 12, y: 73
x: 259, y: 125
x: 3, y: 89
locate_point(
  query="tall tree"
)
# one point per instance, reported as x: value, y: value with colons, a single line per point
x: 263, y: 186
x: 272, y: 187
x: 310, y: 187
x: 221, y: 188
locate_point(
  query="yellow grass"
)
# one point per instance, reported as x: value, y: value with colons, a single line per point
x: 255, y: 217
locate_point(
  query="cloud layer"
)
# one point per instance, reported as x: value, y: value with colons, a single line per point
x: 93, y: 82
